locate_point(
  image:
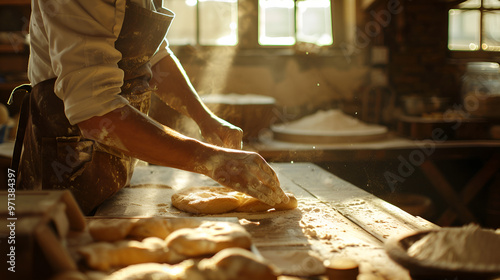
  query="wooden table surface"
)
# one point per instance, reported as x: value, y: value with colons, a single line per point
x: 333, y: 219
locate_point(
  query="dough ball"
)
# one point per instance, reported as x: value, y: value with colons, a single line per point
x: 104, y: 255
x: 160, y: 227
x: 110, y: 229
x: 236, y: 264
x: 205, y: 200
x: 151, y: 227
x: 208, y: 239
x: 186, y: 270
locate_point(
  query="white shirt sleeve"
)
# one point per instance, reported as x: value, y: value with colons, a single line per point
x: 73, y: 40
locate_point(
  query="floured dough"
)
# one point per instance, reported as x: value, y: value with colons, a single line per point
x: 228, y: 264
x: 186, y: 270
x: 236, y: 264
x: 208, y: 238
x: 206, y: 200
x: 118, y: 229
x: 110, y: 229
x: 217, y: 200
x: 104, y: 255
x: 163, y: 241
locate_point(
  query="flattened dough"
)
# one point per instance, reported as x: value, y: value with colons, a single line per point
x: 206, y: 200
x: 217, y: 200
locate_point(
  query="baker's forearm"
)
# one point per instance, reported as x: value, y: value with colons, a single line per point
x: 175, y: 89
x: 136, y: 135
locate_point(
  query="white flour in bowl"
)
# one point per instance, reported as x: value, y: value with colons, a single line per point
x: 327, y: 120
x: 468, y: 246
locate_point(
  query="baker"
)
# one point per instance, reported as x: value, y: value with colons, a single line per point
x: 87, y: 123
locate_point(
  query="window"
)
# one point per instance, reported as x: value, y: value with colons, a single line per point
x: 276, y: 22
x: 285, y: 22
x: 473, y: 26
x: 204, y: 22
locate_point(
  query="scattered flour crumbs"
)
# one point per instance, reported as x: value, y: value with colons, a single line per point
x: 464, y: 247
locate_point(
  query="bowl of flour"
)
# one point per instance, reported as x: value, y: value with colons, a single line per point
x: 468, y: 252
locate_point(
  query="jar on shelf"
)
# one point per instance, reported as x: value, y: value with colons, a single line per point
x: 481, y: 90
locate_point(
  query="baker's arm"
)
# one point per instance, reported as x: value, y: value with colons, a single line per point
x: 137, y: 135
x: 175, y: 89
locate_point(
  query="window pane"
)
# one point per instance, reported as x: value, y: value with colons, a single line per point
x: 464, y: 29
x: 491, y: 32
x: 183, y: 28
x: 314, y: 22
x: 491, y: 4
x: 218, y: 22
x: 276, y: 22
x: 470, y: 4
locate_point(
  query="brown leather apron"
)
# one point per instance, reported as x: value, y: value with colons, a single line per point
x: 56, y: 156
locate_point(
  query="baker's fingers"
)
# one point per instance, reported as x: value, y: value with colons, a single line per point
x: 262, y: 193
x: 270, y: 181
x: 248, y: 172
x: 247, y: 182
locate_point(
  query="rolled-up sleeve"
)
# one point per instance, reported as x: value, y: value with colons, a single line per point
x: 81, y: 35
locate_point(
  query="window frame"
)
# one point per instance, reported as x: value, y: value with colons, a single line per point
x: 248, y: 41
x: 476, y: 54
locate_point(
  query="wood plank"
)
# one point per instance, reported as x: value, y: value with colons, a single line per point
x: 379, y: 218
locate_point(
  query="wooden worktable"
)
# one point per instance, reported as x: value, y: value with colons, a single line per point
x: 334, y: 219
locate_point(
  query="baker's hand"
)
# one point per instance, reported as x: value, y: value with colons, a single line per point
x: 219, y: 132
x: 246, y: 172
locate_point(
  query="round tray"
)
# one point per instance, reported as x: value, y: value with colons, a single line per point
x: 397, y: 249
x: 373, y: 133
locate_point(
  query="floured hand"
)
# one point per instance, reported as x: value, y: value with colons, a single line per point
x: 246, y: 172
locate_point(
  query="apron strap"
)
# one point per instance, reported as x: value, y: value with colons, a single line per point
x: 23, y: 121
